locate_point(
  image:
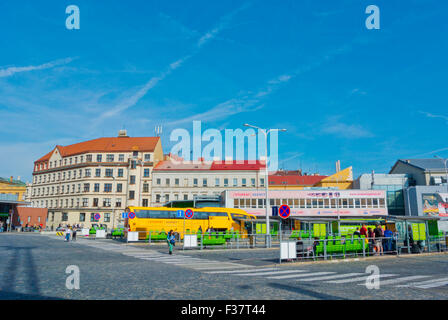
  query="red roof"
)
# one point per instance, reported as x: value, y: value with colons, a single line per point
x: 208, y: 165
x: 116, y: 144
x: 294, y: 180
x: 238, y: 165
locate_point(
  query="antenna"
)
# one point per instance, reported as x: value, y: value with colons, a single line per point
x: 158, y: 131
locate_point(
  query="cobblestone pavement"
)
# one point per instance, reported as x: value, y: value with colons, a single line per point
x: 34, y: 267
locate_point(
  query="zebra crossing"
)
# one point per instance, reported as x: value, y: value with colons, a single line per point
x: 301, y: 275
x: 180, y: 260
x: 214, y: 267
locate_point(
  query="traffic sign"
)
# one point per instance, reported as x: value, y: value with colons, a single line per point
x: 275, y: 211
x: 284, y: 211
x: 97, y: 216
x: 189, y: 213
x: 180, y: 213
x: 124, y: 215
x: 131, y: 215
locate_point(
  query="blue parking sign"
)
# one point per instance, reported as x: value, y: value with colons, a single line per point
x: 124, y: 215
x: 180, y: 213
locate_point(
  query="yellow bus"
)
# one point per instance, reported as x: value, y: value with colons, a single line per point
x: 162, y: 219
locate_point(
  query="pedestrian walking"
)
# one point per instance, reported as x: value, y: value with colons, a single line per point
x: 171, y: 240
x: 67, y: 234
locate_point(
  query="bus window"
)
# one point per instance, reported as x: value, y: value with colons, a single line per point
x: 217, y: 214
x: 357, y: 203
x: 235, y: 203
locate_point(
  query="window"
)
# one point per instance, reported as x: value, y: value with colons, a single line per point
x: 185, y: 196
x: 68, y: 175
x: 88, y: 172
x: 147, y: 157
x: 74, y: 174
x: 145, y: 187
x: 110, y: 158
x: 226, y: 182
x: 82, y: 159
x: 204, y: 182
x: 118, y: 202
x: 146, y: 173
x: 120, y: 173
x: 157, y: 198
x: 167, y: 182
x: 135, y: 153
x: 85, y: 202
x: 132, y: 179
x: 89, y: 158
x: 167, y: 197
x: 96, y: 187
x: 217, y: 182
x: 176, y: 181
x: 79, y: 187
x: 76, y: 159
x: 106, y: 202
x: 82, y: 217
x: 158, y: 181
x: 119, y: 187
x: 243, y: 182
x: 86, y: 187
x: 92, y: 217
x: 107, y: 217
x: 195, y: 182
x: 121, y: 158
x: 252, y: 182
x: 108, y: 187
x: 97, y: 172
x: 64, y: 216
x: 133, y: 164
x: 73, y: 188
x: 145, y: 202
x: 99, y: 157
x: 109, y: 172
x: 262, y: 182
x: 131, y: 195
x: 235, y: 182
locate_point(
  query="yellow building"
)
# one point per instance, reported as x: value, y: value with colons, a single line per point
x: 341, y: 180
x: 11, y: 186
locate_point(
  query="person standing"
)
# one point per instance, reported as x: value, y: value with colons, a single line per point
x: 379, y: 239
x: 74, y: 234
x: 171, y: 240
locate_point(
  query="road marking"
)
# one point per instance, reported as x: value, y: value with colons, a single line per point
x: 264, y: 273
x: 238, y: 271
x: 432, y: 281
x: 335, y: 276
x: 432, y: 285
x: 219, y: 266
x: 300, y: 275
x: 397, y: 280
x: 360, y: 278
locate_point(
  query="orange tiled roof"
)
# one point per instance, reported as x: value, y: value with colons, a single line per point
x: 116, y: 144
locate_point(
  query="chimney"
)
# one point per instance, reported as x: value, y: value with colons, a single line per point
x: 122, y: 133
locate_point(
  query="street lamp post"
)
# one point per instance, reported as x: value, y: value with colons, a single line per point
x: 446, y: 171
x: 266, y: 182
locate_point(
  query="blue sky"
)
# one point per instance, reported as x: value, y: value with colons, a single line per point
x: 343, y: 92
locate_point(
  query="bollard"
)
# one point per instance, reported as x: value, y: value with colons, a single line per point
x: 202, y: 242
x: 363, y: 247
x: 325, y: 249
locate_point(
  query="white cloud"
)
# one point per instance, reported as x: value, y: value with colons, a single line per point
x: 13, y: 70
x: 350, y: 131
x: 430, y: 115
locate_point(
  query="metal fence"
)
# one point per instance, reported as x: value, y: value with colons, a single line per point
x: 332, y: 247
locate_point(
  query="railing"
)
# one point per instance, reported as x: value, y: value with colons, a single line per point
x: 308, y: 248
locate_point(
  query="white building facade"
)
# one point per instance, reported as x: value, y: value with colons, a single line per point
x: 181, y: 180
